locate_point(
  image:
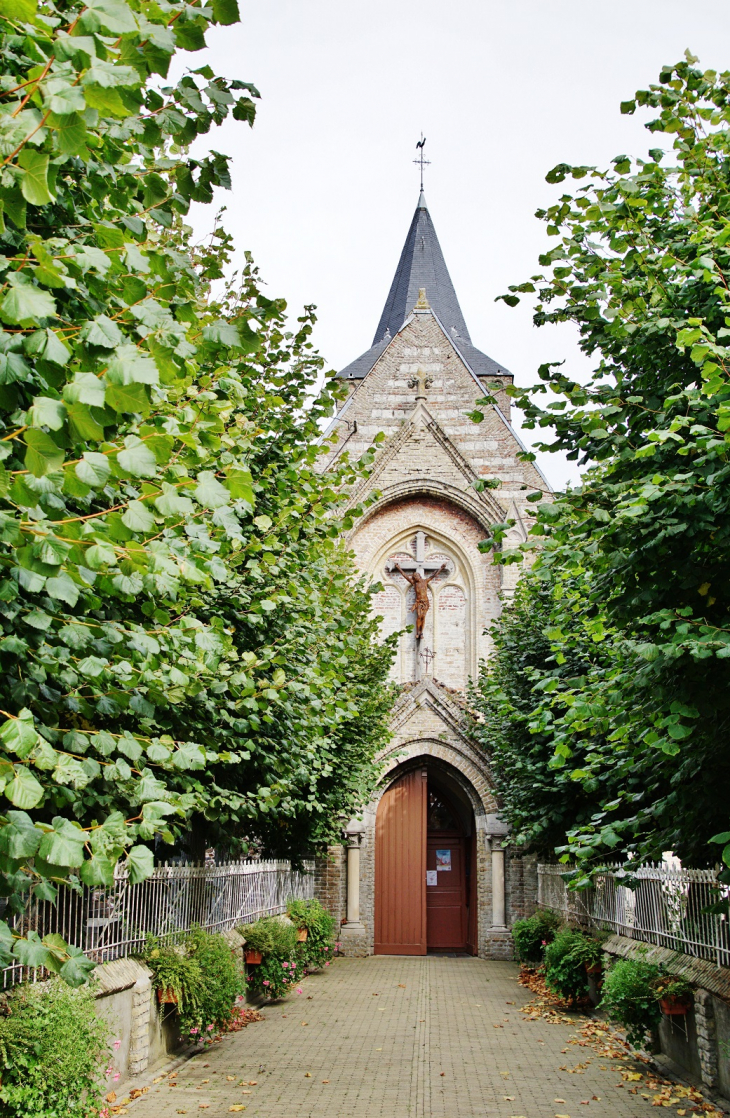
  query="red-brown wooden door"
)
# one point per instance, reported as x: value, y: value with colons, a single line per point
x: 446, y: 906
x: 400, y: 868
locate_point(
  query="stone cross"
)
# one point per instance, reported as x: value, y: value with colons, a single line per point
x: 421, y: 564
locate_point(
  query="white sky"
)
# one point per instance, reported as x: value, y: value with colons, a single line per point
x: 324, y: 188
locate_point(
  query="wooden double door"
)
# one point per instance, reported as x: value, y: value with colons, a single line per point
x: 425, y: 886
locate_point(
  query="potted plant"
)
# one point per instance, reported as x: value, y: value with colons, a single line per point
x: 674, y: 994
x: 177, y: 978
x: 273, y: 943
x: 315, y: 930
x: 253, y: 957
x: 532, y: 934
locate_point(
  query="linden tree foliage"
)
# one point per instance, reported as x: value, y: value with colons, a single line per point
x: 181, y: 637
x: 640, y: 265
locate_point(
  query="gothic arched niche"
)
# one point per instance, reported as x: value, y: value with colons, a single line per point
x: 444, y: 650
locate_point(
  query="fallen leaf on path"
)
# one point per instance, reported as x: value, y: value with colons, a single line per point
x: 236, y: 1107
x: 112, y: 1096
x: 508, y: 1098
x: 253, y: 1082
x: 230, y: 1078
x: 325, y: 1080
x: 401, y: 985
x: 559, y: 1100
x: 307, y: 1075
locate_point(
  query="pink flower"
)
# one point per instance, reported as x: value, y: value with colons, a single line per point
x: 194, y: 1031
x: 326, y: 947
x: 299, y: 990
x: 266, y: 982
x: 210, y: 1027
x: 116, y: 1078
x: 117, y: 1045
x: 326, y: 964
x: 109, y: 1070
x: 285, y: 965
x: 104, y: 1113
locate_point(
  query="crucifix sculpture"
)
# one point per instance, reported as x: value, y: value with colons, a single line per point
x: 419, y: 580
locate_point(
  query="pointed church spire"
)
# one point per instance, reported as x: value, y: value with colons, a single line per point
x: 422, y: 265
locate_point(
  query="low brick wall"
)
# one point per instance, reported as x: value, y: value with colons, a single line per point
x: 698, y: 1044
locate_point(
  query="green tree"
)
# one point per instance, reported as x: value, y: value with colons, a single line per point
x: 180, y: 639
x: 640, y: 266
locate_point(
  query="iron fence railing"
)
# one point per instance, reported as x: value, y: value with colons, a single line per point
x: 660, y: 904
x: 109, y: 923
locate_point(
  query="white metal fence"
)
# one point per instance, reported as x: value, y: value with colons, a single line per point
x: 662, y: 905
x: 109, y: 923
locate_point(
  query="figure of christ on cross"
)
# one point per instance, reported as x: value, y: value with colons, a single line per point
x: 421, y: 605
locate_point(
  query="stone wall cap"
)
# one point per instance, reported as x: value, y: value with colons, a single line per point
x: 701, y: 972
x: 120, y: 974
x: 495, y: 826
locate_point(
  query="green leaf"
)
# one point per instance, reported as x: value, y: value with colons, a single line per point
x: 137, y: 459
x: 47, y: 412
x: 138, y: 517
x: 114, y: 16
x: 209, y: 492
x: 70, y: 132
x: 102, y: 332
x: 23, y: 790
x: 140, y: 862
x: 63, y: 588
x: 43, y: 454
x: 83, y: 423
x: 93, y: 469
x: 34, y: 183
x: 97, y: 870
x: 26, y: 304
x: 19, y: 735
x: 64, y: 845
x: 226, y: 11
x: 30, y: 951
x: 78, y: 968
x: 20, y: 11
x: 128, y: 398
x: 129, y: 366
x: 19, y: 837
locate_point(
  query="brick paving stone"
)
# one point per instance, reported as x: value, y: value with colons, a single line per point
x: 399, y: 1037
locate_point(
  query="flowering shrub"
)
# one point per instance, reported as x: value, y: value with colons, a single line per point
x: 276, y: 977
x: 318, y: 948
x: 204, y: 976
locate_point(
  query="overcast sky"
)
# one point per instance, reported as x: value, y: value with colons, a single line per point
x: 324, y: 186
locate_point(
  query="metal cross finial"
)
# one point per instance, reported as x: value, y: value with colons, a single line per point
x: 421, y: 162
x: 428, y: 656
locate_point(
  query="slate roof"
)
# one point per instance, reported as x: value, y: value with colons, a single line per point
x: 422, y: 265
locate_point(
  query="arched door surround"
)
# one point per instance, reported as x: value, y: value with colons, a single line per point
x: 425, y: 866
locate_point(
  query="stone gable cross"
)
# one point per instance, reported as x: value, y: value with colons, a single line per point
x: 420, y: 564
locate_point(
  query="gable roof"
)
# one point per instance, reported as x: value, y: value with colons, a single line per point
x: 422, y: 266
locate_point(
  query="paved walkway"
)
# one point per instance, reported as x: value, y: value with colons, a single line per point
x: 396, y: 1037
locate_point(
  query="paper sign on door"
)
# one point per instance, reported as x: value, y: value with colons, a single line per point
x: 443, y: 859
x: 432, y: 877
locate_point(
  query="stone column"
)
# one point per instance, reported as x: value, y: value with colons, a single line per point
x: 353, y: 883
x: 353, y: 933
x: 498, y: 905
x: 498, y: 943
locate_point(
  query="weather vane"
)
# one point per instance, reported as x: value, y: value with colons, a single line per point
x: 421, y: 162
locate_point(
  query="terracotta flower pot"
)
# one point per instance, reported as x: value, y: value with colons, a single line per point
x: 675, y: 1007
x: 253, y: 957
x: 301, y: 935
x: 167, y: 996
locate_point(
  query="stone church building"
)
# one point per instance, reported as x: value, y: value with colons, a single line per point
x: 428, y: 866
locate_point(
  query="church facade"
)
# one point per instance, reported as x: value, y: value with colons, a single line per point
x: 428, y: 866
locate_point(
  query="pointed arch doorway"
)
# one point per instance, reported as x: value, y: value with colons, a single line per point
x: 425, y: 867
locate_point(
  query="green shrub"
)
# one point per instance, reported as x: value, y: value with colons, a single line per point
x: 204, y: 977
x: 53, y: 1050
x: 565, y: 972
x: 629, y: 998
x: 319, y: 947
x: 673, y: 986
x: 271, y: 936
x: 222, y: 983
x: 531, y: 935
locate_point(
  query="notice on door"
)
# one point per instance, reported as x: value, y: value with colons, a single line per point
x: 443, y: 859
x: 432, y: 877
